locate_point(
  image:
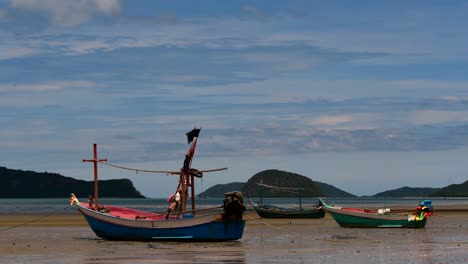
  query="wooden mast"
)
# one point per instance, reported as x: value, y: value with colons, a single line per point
x: 95, y: 161
x: 192, y: 188
x: 186, y: 176
x: 183, y: 191
x: 192, y: 183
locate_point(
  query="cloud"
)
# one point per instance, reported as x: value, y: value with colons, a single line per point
x: 69, y: 13
x: 7, y: 53
x: 393, y: 38
x: 454, y: 98
x: 254, y: 11
x: 52, y: 86
x: 437, y: 116
x: 431, y: 84
x: 331, y: 120
x: 354, y: 120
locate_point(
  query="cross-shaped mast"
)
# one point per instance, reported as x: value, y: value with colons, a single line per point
x: 95, y: 161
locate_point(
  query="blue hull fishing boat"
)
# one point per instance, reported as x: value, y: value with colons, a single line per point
x: 221, y: 223
x: 206, y: 227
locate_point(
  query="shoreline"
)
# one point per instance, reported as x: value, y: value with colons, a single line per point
x: 65, y: 237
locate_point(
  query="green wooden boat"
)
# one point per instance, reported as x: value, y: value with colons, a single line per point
x: 365, y: 218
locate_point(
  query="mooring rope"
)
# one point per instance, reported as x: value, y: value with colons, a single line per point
x: 32, y: 221
x: 279, y: 228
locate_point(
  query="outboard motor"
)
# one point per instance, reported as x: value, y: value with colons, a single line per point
x: 233, y: 205
x: 427, y: 203
x: 423, y: 210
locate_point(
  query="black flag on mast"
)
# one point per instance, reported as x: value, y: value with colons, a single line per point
x: 192, y: 134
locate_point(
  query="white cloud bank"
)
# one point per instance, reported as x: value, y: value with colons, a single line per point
x: 69, y: 13
x: 52, y: 86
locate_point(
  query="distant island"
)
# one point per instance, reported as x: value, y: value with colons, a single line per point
x: 281, y: 179
x: 453, y: 190
x: 319, y: 189
x: 30, y: 184
x: 408, y: 192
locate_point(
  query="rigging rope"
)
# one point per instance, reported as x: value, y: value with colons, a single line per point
x: 281, y: 188
x: 284, y: 189
x: 138, y: 170
x: 194, y: 171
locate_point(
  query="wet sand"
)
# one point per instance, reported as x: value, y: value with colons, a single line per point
x: 66, y: 238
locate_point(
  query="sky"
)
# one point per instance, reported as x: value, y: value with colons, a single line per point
x: 364, y: 95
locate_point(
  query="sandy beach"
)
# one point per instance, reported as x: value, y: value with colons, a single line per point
x: 66, y: 238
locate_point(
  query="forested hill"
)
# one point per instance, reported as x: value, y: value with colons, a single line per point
x: 219, y: 190
x: 408, y: 192
x: 453, y: 190
x: 280, y: 179
x: 30, y: 184
x: 331, y: 191
x: 316, y: 189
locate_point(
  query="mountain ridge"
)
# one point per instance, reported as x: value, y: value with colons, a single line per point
x: 280, y: 179
x: 30, y: 184
x: 454, y: 190
x: 407, y: 192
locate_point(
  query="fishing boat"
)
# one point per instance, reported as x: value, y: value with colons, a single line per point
x: 271, y: 211
x: 362, y: 218
x: 221, y: 223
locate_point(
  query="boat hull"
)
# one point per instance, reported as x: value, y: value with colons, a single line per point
x: 276, y: 212
x: 362, y: 220
x: 199, y: 228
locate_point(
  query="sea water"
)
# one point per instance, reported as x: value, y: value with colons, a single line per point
x: 61, y: 205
